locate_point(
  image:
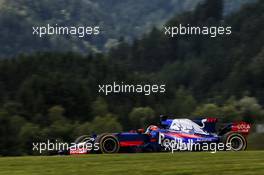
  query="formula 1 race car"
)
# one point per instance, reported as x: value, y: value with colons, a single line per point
x: 183, y: 133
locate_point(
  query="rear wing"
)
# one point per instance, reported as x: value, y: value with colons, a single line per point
x: 239, y: 127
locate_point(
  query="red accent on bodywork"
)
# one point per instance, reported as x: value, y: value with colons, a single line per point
x: 211, y: 120
x: 183, y: 135
x: 131, y: 143
x: 241, y: 127
x: 153, y: 140
x: 78, y: 151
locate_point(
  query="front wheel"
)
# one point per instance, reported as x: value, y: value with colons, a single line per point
x: 235, y: 141
x: 108, y: 144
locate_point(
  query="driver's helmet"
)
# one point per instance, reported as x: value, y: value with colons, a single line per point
x: 152, y: 128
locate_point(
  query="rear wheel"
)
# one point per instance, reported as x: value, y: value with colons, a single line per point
x: 235, y: 141
x: 108, y: 144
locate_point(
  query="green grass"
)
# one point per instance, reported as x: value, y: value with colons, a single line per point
x: 182, y: 163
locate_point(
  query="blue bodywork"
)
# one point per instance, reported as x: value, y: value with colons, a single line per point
x: 199, y: 131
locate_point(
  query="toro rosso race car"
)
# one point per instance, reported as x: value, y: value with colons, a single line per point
x: 184, y: 133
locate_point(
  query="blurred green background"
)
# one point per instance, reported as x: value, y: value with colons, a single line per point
x: 49, y: 87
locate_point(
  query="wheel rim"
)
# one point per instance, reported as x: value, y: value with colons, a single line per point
x: 236, y: 143
x: 109, y: 145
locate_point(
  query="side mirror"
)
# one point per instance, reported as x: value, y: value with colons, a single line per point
x: 140, y: 131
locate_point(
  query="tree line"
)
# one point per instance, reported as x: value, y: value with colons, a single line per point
x: 55, y: 95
